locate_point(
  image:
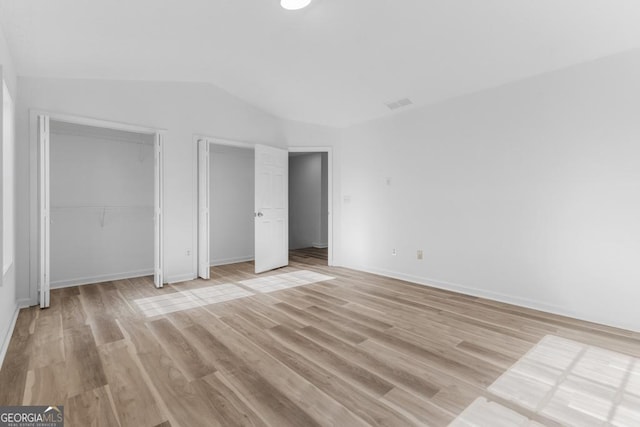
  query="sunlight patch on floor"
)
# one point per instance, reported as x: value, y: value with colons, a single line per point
x: 167, y: 303
x: 285, y: 281
x: 220, y: 293
x: 192, y: 298
x: 185, y: 300
x: 571, y: 383
x: 490, y: 414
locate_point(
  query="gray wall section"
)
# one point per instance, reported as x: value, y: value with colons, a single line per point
x: 307, y: 200
x: 231, y: 185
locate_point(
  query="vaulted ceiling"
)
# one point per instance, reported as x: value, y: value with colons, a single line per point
x: 335, y: 63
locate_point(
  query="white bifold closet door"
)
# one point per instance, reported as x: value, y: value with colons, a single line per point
x: 203, y: 209
x: 158, y: 253
x: 45, y: 209
x: 271, y: 208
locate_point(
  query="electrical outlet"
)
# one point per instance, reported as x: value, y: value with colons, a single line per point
x: 420, y: 254
x: 393, y: 252
x: 188, y: 252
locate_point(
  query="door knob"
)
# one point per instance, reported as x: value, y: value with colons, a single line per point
x: 259, y: 214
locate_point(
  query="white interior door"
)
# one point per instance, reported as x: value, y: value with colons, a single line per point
x: 158, y: 267
x: 203, y: 209
x: 271, y: 208
x: 45, y: 223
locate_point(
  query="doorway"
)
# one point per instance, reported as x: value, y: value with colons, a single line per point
x: 311, y: 204
x: 100, y: 198
x: 308, y: 207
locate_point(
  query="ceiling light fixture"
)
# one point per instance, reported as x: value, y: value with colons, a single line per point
x: 294, y: 4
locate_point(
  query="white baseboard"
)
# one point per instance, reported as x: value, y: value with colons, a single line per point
x: 24, y: 303
x: 180, y: 278
x: 320, y: 245
x: 7, y: 336
x: 494, y: 296
x: 234, y: 260
x: 97, y: 279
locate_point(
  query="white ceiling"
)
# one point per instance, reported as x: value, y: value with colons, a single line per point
x: 334, y: 63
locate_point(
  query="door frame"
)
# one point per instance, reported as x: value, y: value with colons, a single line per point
x: 35, y: 172
x: 210, y: 140
x: 330, y: 225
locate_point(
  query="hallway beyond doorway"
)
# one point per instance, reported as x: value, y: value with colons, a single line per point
x: 314, y: 256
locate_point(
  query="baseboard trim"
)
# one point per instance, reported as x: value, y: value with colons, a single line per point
x: 24, y: 303
x: 494, y: 296
x: 320, y: 245
x: 181, y: 278
x: 97, y: 279
x: 227, y: 261
x: 9, y: 333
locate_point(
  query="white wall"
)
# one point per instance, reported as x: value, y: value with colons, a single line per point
x: 102, y: 184
x: 8, y: 306
x: 232, y: 182
x: 183, y: 109
x: 528, y: 193
x: 307, y: 200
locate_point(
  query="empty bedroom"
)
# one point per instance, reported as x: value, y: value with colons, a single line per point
x: 320, y: 213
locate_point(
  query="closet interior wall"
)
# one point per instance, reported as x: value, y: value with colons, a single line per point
x: 231, y: 204
x: 102, y: 184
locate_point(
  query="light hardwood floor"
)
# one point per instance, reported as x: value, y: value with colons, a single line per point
x: 356, y: 350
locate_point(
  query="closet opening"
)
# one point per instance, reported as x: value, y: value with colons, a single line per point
x: 100, y: 197
x: 242, y: 205
x: 231, y: 190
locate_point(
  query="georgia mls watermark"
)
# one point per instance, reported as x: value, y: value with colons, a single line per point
x: 31, y: 416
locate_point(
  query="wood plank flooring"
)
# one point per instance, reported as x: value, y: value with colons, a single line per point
x: 353, y: 351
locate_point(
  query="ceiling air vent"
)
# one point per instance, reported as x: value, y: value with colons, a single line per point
x: 398, y: 104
